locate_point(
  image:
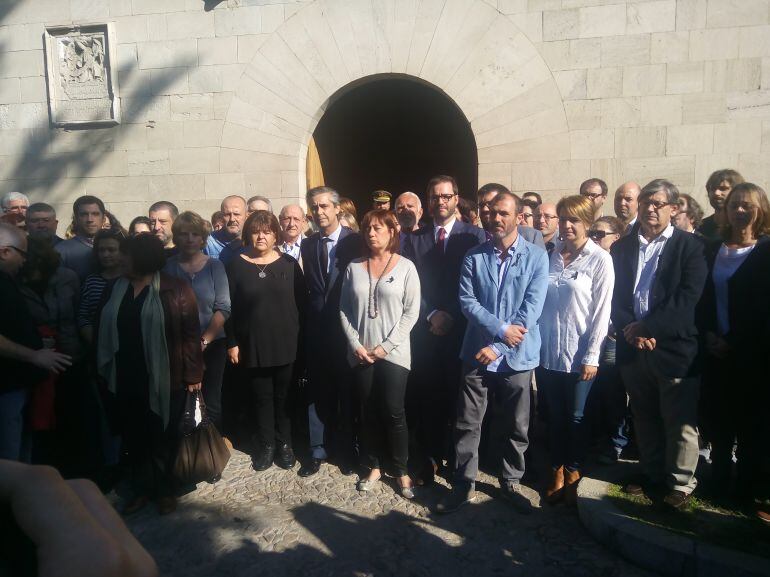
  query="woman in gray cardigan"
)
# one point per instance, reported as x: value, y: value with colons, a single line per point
x: 379, y: 306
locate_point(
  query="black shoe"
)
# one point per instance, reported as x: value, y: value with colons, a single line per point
x: 456, y: 498
x: 347, y: 469
x: 310, y: 468
x: 284, y: 457
x: 264, y: 459
x: 511, y: 491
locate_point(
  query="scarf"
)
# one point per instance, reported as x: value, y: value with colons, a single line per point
x: 153, y: 342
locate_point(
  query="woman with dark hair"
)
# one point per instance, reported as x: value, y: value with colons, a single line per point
x: 111, y: 222
x: 733, y: 317
x: 689, y: 217
x: 379, y: 306
x: 208, y: 279
x: 139, y: 225
x: 149, y: 354
x: 267, y: 295
x: 109, y: 266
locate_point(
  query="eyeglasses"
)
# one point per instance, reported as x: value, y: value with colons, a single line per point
x: 526, y: 215
x: 656, y: 204
x: 546, y: 217
x: 592, y: 195
x: 599, y: 234
x: 444, y: 197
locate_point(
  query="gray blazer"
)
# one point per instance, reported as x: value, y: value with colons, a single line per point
x: 530, y: 234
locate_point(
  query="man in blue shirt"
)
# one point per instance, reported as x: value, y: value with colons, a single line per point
x: 225, y: 243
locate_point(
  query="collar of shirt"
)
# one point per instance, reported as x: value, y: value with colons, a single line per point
x: 296, y: 243
x: 447, y: 227
x: 510, y: 252
x: 662, y: 237
x: 335, y: 236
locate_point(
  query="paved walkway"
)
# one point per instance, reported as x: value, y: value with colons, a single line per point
x: 275, y: 523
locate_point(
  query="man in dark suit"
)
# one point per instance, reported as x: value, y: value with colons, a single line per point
x: 660, y: 272
x: 325, y: 255
x: 437, y: 252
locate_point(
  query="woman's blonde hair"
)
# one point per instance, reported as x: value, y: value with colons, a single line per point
x: 577, y: 206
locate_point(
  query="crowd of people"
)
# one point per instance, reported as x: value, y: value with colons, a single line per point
x: 378, y: 344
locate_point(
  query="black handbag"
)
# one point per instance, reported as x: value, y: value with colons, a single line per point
x: 201, y: 454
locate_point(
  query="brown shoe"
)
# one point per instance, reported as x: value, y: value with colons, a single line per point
x: 571, y: 480
x: 634, y: 489
x: 166, y: 505
x: 555, y: 490
x: 676, y: 500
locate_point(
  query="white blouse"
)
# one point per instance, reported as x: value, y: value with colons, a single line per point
x: 577, y: 307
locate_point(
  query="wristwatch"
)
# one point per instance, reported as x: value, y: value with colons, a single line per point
x: 204, y: 342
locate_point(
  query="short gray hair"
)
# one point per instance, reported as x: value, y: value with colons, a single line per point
x: 313, y: 192
x: 263, y: 199
x: 9, y: 196
x: 410, y: 193
x: 660, y: 185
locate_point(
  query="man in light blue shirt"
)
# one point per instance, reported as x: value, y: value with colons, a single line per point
x: 503, y: 285
x: 293, y: 221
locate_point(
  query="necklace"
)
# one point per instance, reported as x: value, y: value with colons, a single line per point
x: 373, y: 308
x: 262, y: 273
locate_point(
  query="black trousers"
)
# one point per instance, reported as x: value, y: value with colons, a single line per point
x: 381, y: 389
x: 214, y: 358
x: 270, y: 390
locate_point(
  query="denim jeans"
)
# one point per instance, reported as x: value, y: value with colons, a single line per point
x: 12, y: 438
x: 613, y: 400
x: 568, y: 428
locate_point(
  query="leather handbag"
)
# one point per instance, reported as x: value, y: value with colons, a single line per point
x: 201, y: 454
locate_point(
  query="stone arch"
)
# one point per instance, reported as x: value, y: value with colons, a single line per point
x: 465, y: 48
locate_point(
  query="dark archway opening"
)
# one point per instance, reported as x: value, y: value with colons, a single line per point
x: 394, y: 134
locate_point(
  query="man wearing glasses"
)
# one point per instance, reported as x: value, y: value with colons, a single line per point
x: 595, y: 189
x: 23, y: 360
x: 547, y: 221
x: 437, y: 252
x: 659, y: 276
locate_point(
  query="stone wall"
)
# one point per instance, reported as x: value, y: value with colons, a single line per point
x: 221, y: 97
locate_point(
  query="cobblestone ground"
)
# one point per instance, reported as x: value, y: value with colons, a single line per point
x: 276, y: 523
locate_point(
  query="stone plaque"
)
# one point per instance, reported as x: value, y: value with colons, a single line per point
x: 81, y: 86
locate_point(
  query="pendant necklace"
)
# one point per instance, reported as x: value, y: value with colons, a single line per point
x: 262, y: 273
x: 373, y: 308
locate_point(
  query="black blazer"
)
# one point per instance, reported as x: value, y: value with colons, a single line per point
x: 676, y: 290
x: 748, y: 302
x: 323, y: 310
x: 440, y: 272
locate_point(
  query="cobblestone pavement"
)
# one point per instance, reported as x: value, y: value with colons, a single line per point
x: 276, y: 523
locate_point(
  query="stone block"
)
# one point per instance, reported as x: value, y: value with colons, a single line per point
x: 512, y: 6
x: 644, y: 80
x: 745, y: 105
x: 119, y: 8
x: 131, y: 29
x: 33, y: 89
x: 704, y: 108
x: 168, y: 81
x: 549, y: 175
x: 733, y: 75
x: 714, y: 44
x: 90, y: 10
x: 176, y: 187
x: 182, y: 25
x: 10, y: 91
x: 640, y: 142
x: 670, y: 47
x: 679, y: 170
x: 597, y: 21
x: 754, y: 41
x: 218, y: 186
x: 530, y: 23
x: 148, y: 162
x: 544, y: 96
x: 248, y: 45
x: 543, y: 123
x: 168, y: 53
x: 690, y: 139
x: 165, y: 135
x: 127, y: 59
x: 106, y: 164
x: 765, y: 74
x: 725, y: 13
x: 23, y: 115
x: 739, y: 137
x: 536, y: 5
x: 217, y: 50
x: 605, y: 82
x: 22, y: 64
x: 583, y: 114
x: 499, y: 172
x: 626, y: 50
x: 265, y: 183
x: 136, y: 83
x: 661, y: 110
x: 571, y: 83
x: 155, y: 7
x: 237, y: 21
x: 194, y: 160
x: 292, y: 185
x: 592, y: 143
x: 553, y: 147
x: 192, y: 107
x: 48, y: 11
x: 572, y: 54
x: 561, y: 24
x: 156, y: 27
x: 655, y: 16
x: 271, y: 18
x: 684, y: 77
x: 691, y: 14
x: 620, y: 112
x: 21, y: 37
x: 222, y: 102
x: 766, y: 136
x: 202, y: 133
x: 131, y: 137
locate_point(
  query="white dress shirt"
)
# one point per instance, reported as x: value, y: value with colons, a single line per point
x: 293, y: 248
x: 503, y: 264
x: 577, y: 309
x: 448, y: 228
x: 331, y: 245
x: 646, y: 269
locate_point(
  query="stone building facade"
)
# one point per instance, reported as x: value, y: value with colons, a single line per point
x: 221, y: 97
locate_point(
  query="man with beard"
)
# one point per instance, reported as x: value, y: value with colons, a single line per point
x: 42, y: 223
x: 77, y: 253
x: 484, y: 196
x: 162, y: 215
x: 718, y: 186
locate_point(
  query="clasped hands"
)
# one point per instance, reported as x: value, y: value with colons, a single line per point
x: 370, y: 356
x: 513, y: 336
x: 637, y: 335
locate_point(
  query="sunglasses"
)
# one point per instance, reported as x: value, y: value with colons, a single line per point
x: 599, y: 234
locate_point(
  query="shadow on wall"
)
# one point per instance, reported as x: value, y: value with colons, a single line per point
x: 49, y: 162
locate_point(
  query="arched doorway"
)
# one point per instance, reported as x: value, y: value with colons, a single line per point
x: 394, y: 133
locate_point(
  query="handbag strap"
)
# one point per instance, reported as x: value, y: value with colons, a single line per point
x: 202, y: 404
